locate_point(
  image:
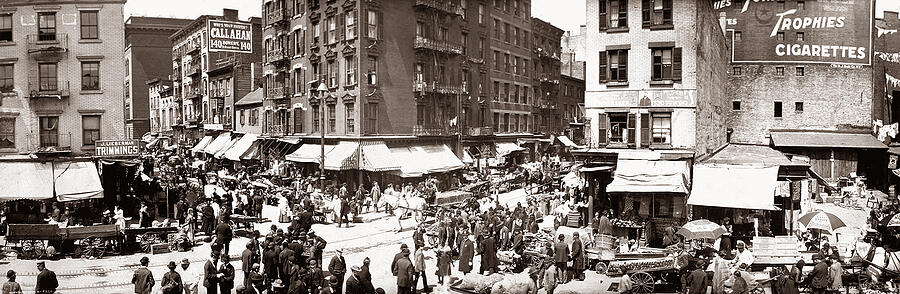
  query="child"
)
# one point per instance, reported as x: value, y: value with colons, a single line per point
x: 740, y: 285
x: 443, y: 264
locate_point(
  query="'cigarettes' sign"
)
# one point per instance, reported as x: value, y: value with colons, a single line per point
x: 230, y: 36
x: 825, y: 31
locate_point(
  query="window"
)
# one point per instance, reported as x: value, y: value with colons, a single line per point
x: 466, y: 78
x: 506, y: 62
x: 736, y: 105
x: 6, y: 28
x: 798, y: 106
x: 618, y: 65
x: 315, y: 31
x: 420, y: 114
x: 481, y: 42
x: 736, y: 70
x: 496, y: 91
x: 47, y: 77
x: 515, y: 65
x: 332, y: 74
x: 49, y: 131
x: 7, y: 132
x: 777, y: 109
x: 331, y: 30
x: 800, y: 71
x: 799, y: 36
x: 350, y: 65
x: 242, y: 117
x: 662, y: 128
x: 47, y: 26
x: 6, y: 78
x: 801, y: 5
x: 348, y: 115
x: 90, y: 75
x: 90, y: 129
x: 480, y: 13
x: 332, y: 118
x: 372, y: 24
x: 497, y: 29
x: 350, y: 22
x: 506, y: 123
x: 779, y: 36
x: 418, y: 72
x: 463, y: 6
x: 464, y: 40
x: 372, y: 117
x: 506, y: 92
x: 299, y: 7
x: 315, y: 118
x: 618, y: 126
x: 506, y: 32
x: 738, y: 36
x: 779, y: 70
x: 299, y: 42
x: 300, y: 82
x: 656, y: 12
x: 662, y: 64
x: 496, y: 60
x: 515, y: 36
x: 515, y: 97
x: 373, y: 71
x: 89, y: 25
x: 613, y: 14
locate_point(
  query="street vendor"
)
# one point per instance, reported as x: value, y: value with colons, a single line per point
x: 603, y: 225
x: 743, y: 256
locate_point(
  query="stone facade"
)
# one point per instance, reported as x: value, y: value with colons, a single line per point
x: 41, y: 114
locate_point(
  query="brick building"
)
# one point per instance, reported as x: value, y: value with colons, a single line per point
x: 513, y: 60
x: 148, y: 51
x: 59, y: 65
x: 573, y: 53
x: 547, y: 111
x: 571, y: 108
x: 164, y: 110
x: 207, y: 79
x: 886, y: 62
x: 654, y: 100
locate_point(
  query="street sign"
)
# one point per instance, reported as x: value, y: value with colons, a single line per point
x: 118, y: 147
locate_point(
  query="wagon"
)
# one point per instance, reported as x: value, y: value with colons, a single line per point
x: 648, y: 274
x: 31, y: 240
x: 93, y: 241
x: 145, y: 238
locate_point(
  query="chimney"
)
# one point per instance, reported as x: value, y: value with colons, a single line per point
x: 230, y: 14
x: 723, y: 22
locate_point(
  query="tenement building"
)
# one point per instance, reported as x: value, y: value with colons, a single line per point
x: 59, y: 69
x: 654, y: 100
x: 804, y: 85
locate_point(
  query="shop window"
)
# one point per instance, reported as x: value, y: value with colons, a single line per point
x: 663, y: 206
x: 618, y: 127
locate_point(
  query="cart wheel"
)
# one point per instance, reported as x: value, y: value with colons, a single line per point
x: 93, y: 247
x: 33, y: 249
x: 642, y: 283
x: 601, y: 267
x: 147, y: 241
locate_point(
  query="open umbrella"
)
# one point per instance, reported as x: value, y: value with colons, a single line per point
x: 891, y: 221
x: 701, y: 229
x: 821, y: 220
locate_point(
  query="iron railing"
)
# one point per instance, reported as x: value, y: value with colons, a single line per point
x: 438, y: 45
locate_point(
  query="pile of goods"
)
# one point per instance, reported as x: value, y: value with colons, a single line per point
x: 479, y: 283
x: 626, y: 223
x: 514, y: 284
x: 620, y: 267
x: 508, y: 256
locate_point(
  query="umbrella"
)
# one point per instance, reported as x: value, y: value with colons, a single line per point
x: 891, y: 221
x: 821, y: 220
x: 701, y: 229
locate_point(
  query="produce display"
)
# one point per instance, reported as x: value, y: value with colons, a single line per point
x: 479, y: 283
x: 627, y: 223
x: 620, y: 267
x: 514, y: 284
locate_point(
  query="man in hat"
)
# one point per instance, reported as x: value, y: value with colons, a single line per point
x: 338, y: 267
x: 354, y: 284
x: 246, y: 262
x: 210, y: 274
x: 257, y: 280
x: 226, y: 275
x: 561, y: 258
x: 190, y: 277
x: 819, y: 276
x: 315, y: 278
x: 143, y: 279
x: 577, y: 257
x: 743, y: 255
x: 404, y: 270
x: 488, y: 250
x: 419, y: 237
x: 365, y: 276
x: 319, y: 243
x: 466, y: 254
x: 403, y: 247
x: 697, y: 281
x: 330, y: 288
x: 270, y: 262
x: 172, y: 282
x: 284, y: 263
x: 46, y: 280
x: 419, y: 264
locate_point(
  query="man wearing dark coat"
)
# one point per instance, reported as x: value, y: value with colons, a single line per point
x: 365, y: 277
x: 697, y: 281
x: 337, y: 268
x: 488, y: 251
x: 284, y: 263
x: 404, y: 271
x: 561, y: 258
x: 223, y: 236
x: 577, y: 258
x: 398, y: 256
x: 246, y: 263
x: 270, y: 262
x: 46, y: 280
x: 466, y: 254
x: 208, y: 219
x: 143, y: 279
x: 210, y: 274
x: 355, y: 285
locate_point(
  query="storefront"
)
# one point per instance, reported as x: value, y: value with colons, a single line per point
x: 32, y: 189
x: 739, y: 196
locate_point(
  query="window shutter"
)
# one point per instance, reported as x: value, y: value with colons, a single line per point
x: 646, y: 7
x: 603, y: 65
x: 340, y: 27
x: 676, y: 64
x: 380, y: 25
x: 623, y: 64
x: 645, y: 130
x: 602, y: 126
x: 604, y: 22
x: 631, y: 126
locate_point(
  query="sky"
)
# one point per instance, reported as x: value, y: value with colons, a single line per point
x: 565, y: 14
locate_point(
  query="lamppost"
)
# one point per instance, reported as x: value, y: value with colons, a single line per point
x: 322, y: 89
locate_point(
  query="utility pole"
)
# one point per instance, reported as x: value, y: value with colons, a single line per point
x: 322, y: 90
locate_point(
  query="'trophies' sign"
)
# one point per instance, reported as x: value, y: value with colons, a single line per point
x: 230, y: 36
x: 823, y: 31
x: 118, y: 147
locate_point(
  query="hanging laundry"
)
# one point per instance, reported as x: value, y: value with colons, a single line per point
x: 876, y: 124
x: 889, y: 57
x: 882, y: 134
x: 893, y: 130
x: 882, y: 31
x: 891, y: 80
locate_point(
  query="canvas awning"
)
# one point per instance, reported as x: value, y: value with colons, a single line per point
x: 504, y: 149
x: 467, y: 158
x: 252, y: 153
x: 240, y: 147
x: 344, y: 156
x: 822, y: 139
x: 410, y: 163
x: 377, y: 157
x: 650, y: 176
x: 77, y: 181
x: 218, y: 143
x: 734, y: 186
x: 221, y: 153
x: 440, y: 159
x: 308, y: 153
x: 566, y: 141
x: 202, y: 144
x: 25, y: 180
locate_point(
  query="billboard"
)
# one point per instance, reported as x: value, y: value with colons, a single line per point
x: 823, y: 31
x: 230, y: 36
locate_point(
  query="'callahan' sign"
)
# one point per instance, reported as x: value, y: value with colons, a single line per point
x: 230, y: 36
x: 118, y: 147
x: 824, y: 31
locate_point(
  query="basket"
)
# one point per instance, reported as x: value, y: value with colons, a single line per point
x: 605, y: 241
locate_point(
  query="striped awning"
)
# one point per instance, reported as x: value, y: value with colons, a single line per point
x: 376, y: 156
x: 344, y: 156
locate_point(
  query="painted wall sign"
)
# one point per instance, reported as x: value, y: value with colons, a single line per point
x: 118, y: 147
x: 230, y: 36
x: 827, y: 31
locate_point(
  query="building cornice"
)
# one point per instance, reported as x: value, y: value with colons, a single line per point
x: 58, y: 2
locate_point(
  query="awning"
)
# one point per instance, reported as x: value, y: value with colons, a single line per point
x: 252, y: 153
x: 203, y: 143
x: 467, y: 158
x: 25, y: 180
x: 650, y: 176
x: 197, y: 163
x: 77, y: 181
x: 595, y: 168
x: 308, y: 153
x: 734, y: 186
x: 566, y: 142
x: 377, y: 157
x: 218, y: 143
x: 820, y: 139
x: 410, y: 163
x: 240, y: 147
x: 221, y: 153
x: 504, y: 149
x: 344, y: 156
x: 440, y: 159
